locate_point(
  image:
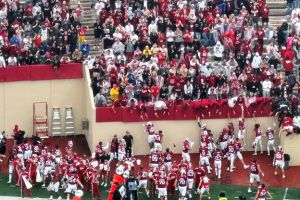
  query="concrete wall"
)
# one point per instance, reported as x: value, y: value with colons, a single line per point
x: 17, y: 98
x: 291, y: 146
x: 174, y: 132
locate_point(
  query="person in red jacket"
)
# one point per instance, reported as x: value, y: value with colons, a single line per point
x: 265, y: 15
x: 260, y: 34
x: 155, y: 92
x: 288, y: 66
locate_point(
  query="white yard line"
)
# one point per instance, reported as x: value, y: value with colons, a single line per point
x: 286, y: 190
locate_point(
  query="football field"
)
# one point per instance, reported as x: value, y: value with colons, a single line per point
x: 7, y: 192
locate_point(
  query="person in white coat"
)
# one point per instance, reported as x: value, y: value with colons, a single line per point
x: 256, y: 63
x: 266, y: 87
x: 218, y: 51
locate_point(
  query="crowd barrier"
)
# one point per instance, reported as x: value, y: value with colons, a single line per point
x: 186, y: 111
x: 40, y: 72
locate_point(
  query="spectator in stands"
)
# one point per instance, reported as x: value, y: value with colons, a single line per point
x: 2, y: 60
x: 100, y: 100
x: 218, y: 51
x: 266, y: 87
x: 85, y: 49
x: 256, y: 63
x: 114, y: 92
x: 77, y: 56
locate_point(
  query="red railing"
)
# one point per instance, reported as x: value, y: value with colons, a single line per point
x: 41, y: 72
x: 185, y: 112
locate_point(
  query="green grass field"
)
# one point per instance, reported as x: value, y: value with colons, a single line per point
x: 232, y: 192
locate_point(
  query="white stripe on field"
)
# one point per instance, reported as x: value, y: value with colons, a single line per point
x: 286, y: 189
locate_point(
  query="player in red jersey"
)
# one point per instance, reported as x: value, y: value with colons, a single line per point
x: 158, y: 139
x: 204, y: 157
x: 278, y: 161
x: 25, y: 182
x: 167, y: 158
x: 143, y: 180
x: 53, y: 186
x: 72, y: 184
x: 17, y: 166
x: 181, y: 181
x: 187, y: 146
x: 254, y: 174
x: 162, y: 183
x: 49, y: 163
x: 223, y: 140
x: 95, y: 185
x: 217, y: 155
x: 88, y: 177
x: 270, y: 133
x: 154, y: 158
x: 242, y: 130
x: 230, y: 130
x: 262, y: 192
x: 171, y: 181
x: 199, y: 173
x: 238, y: 147
x: 190, y: 179
x: 105, y: 168
x: 149, y: 129
x: 230, y: 155
x: 204, y: 187
x: 258, y: 132
x: 31, y: 164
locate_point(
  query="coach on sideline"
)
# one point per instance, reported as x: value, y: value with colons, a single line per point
x: 129, y: 142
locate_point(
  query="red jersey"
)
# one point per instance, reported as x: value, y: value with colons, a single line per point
x: 72, y: 179
x: 262, y: 192
x: 175, y: 167
x: 143, y: 174
x: 242, y: 124
x: 204, y: 138
x: 270, y: 134
x: 183, y: 166
x: 199, y: 172
x: 231, y: 148
x: 54, y: 177
x: 254, y: 168
x: 205, y: 182
x: 27, y: 147
x: 182, y: 180
x: 237, y: 146
x: 203, y: 151
x: 279, y: 155
x: 162, y: 182
x: 154, y: 158
x: 186, y: 147
x: 257, y: 132
x: 224, y: 136
x: 217, y: 156
x: 168, y: 157
x: 49, y: 161
x: 172, y: 177
x: 156, y: 175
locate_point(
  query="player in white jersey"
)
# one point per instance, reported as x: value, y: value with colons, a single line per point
x: 57, y: 155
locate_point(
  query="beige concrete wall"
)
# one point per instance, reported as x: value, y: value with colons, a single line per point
x: 16, y: 101
x: 291, y: 146
x: 174, y: 132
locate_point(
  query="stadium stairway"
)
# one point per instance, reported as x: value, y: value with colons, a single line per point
x: 88, y: 19
x: 278, y: 12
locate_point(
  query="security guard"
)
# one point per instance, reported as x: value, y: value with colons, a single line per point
x: 222, y: 196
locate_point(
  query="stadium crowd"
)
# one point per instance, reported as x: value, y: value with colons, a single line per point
x: 41, y: 32
x: 190, y: 50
